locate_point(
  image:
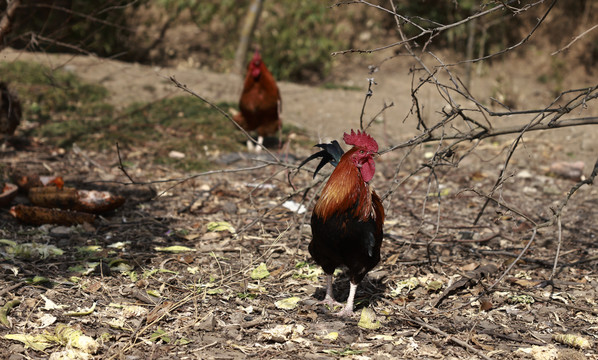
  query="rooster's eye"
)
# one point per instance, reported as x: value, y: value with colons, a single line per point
x: 361, y: 151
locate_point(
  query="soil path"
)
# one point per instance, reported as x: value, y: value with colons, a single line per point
x: 327, y: 113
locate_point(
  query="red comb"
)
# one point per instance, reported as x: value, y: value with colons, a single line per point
x: 256, y: 55
x: 361, y: 139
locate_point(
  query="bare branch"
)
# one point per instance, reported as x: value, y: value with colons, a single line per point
x: 226, y: 115
x: 574, y: 40
x: 432, y: 31
x: 368, y: 95
x: 87, y: 17
x: 447, y: 336
x: 384, y: 107
x: 480, y: 134
x: 521, y: 42
x: 121, y: 166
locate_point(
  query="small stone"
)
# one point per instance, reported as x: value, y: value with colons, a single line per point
x: 524, y: 174
x: 62, y: 230
x: 206, y: 324
x: 568, y: 170
x: 176, y: 155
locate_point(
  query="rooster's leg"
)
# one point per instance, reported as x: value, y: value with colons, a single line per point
x: 250, y: 146
x: 260, y: 141
x: 329, y: 299
x: 348, y: 310
x: 329, y: 295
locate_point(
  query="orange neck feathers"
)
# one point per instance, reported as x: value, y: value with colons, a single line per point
x: 345, y: 190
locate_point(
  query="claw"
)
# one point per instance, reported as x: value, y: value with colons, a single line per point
x: 346, y: 312
x: 330, y: 302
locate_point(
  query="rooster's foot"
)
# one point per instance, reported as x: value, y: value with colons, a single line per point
x: 345, y: 312
x: 330, y: 303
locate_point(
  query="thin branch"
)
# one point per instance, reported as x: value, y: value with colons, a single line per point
x: 575, y: 39
x: 368, y: 95
x: 426, y: 137
x: 558, y: 247
x: 446, y: 335
x: 558, y: 213
x: 502, y: 204
x: 384, y: 107
x: 87, y: 17
x: 35, y: 39
x: 187, y: 178
x: 225, y: 114
x: 521, y: 42
x: 121, y: 166
x: 427, y: 32
x: 588, y: 181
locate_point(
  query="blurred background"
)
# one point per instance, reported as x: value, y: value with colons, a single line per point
x: 296, y: 38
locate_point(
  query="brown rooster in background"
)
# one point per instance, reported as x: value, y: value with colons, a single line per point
x: 348, y: 217
x: 260, y: 103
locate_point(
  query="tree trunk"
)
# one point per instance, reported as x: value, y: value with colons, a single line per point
x: 6, y: 19
x: 251, y: 19
x: 471, y: 27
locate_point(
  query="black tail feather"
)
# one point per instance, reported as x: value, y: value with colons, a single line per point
x: 331, y: 153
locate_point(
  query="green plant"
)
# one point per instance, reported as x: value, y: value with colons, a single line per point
x: 75, y: 25
x: 289, y: 47
x: 63, y: 110
x: 45, y: 93
x: 295, y: 37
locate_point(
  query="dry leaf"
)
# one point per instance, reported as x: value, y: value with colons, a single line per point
x: 468, y: 280
x: 46, y: 320
x: 30, y: 250
x: 288, y: 303
x: 380, y: 337
x: 7, y: 193
x: 331, y: 336
x: 36, y: 342
x: 4, y: 310
x: 520, y: 299
x: 159, y: 311
x: 130, y: 311
x: 220, y: 226
x: 174, y: 249
x: 81, y: 312
x: 26, y: 182
x: 70, y: 354
x: 282, y: 333
x: 408, y: 284
x: 485, y: 305
x: 573, y: 340
x: 549, y: 352
x: 368, y: 320
x: 434, y: 285
x: 67, y: 335
x: 51, y: 305
x: 260, y: 272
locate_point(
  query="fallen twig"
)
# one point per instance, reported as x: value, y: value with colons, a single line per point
x: 448, y: 336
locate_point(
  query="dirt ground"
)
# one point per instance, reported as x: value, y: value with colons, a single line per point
x: 119, y: 282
